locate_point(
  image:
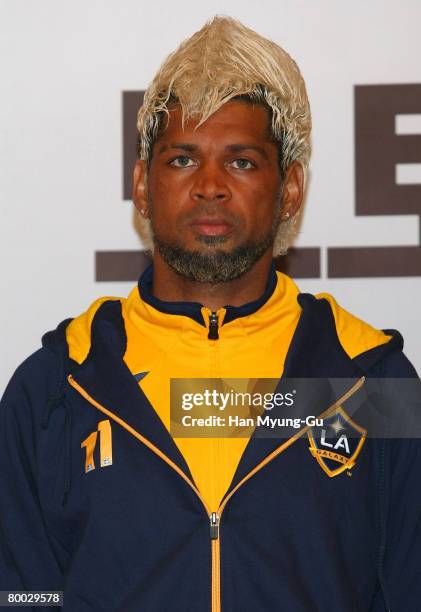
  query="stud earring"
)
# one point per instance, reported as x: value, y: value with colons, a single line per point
x: 286, y: 216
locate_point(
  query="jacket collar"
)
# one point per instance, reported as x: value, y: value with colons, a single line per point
x: 194, y: 309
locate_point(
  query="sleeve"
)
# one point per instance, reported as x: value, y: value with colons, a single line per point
x: 402, y: 524
x: 400, y: 553
x: 27, y: 559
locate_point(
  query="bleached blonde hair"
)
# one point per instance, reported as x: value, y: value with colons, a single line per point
x: 222, y: 61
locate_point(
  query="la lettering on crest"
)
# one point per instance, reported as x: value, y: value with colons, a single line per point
x: 338, y: 441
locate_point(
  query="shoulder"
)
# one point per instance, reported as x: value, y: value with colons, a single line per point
x: 355, y: 335
x: 393, y: 364
x: 78, y: 332
x: 40, y: 376
x: 379, y: 352
x: 32, y: 385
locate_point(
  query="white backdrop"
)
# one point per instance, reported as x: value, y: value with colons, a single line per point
x: 63, y: 66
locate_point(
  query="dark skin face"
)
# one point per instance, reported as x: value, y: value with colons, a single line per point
x: 220, y: 180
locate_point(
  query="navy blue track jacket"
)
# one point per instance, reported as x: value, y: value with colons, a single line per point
x: 137, y: 537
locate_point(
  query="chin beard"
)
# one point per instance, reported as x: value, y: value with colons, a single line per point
x: 217, y: 265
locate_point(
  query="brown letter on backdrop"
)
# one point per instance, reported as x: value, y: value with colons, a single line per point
x: 377, y: 151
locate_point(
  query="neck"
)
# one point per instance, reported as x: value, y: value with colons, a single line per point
x: 171, y: 287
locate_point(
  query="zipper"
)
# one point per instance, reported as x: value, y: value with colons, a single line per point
x: 214, y: 526
x: 213, y: 333
x: 216, y: 562
x: 214, y: 517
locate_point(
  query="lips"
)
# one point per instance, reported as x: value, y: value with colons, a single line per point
x: 211, y: 226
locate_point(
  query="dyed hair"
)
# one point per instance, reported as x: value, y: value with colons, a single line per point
x: 222, y: 61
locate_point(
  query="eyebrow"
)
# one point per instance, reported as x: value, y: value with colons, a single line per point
x: 238, y: 148
x: 233, y: 148
x: 182, y: 146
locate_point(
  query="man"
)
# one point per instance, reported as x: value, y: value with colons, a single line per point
x: 98, y: 499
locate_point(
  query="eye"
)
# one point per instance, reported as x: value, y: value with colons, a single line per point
x: 242, y: 164
x: 182, y: 161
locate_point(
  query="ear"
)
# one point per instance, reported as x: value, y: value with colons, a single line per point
x: 292, y: 192
x: 140, y: 192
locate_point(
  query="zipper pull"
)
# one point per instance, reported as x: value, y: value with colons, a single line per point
x: 214, y: 526
x: 213, y: 327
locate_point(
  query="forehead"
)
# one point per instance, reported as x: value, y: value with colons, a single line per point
x: 235, y: 119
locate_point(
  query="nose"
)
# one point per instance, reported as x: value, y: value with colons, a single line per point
x: 210, y: 184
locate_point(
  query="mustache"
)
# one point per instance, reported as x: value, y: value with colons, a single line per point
x: 203, y: 212
x: 207, y: 210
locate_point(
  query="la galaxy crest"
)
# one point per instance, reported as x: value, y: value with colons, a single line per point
x: 337, y: 443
